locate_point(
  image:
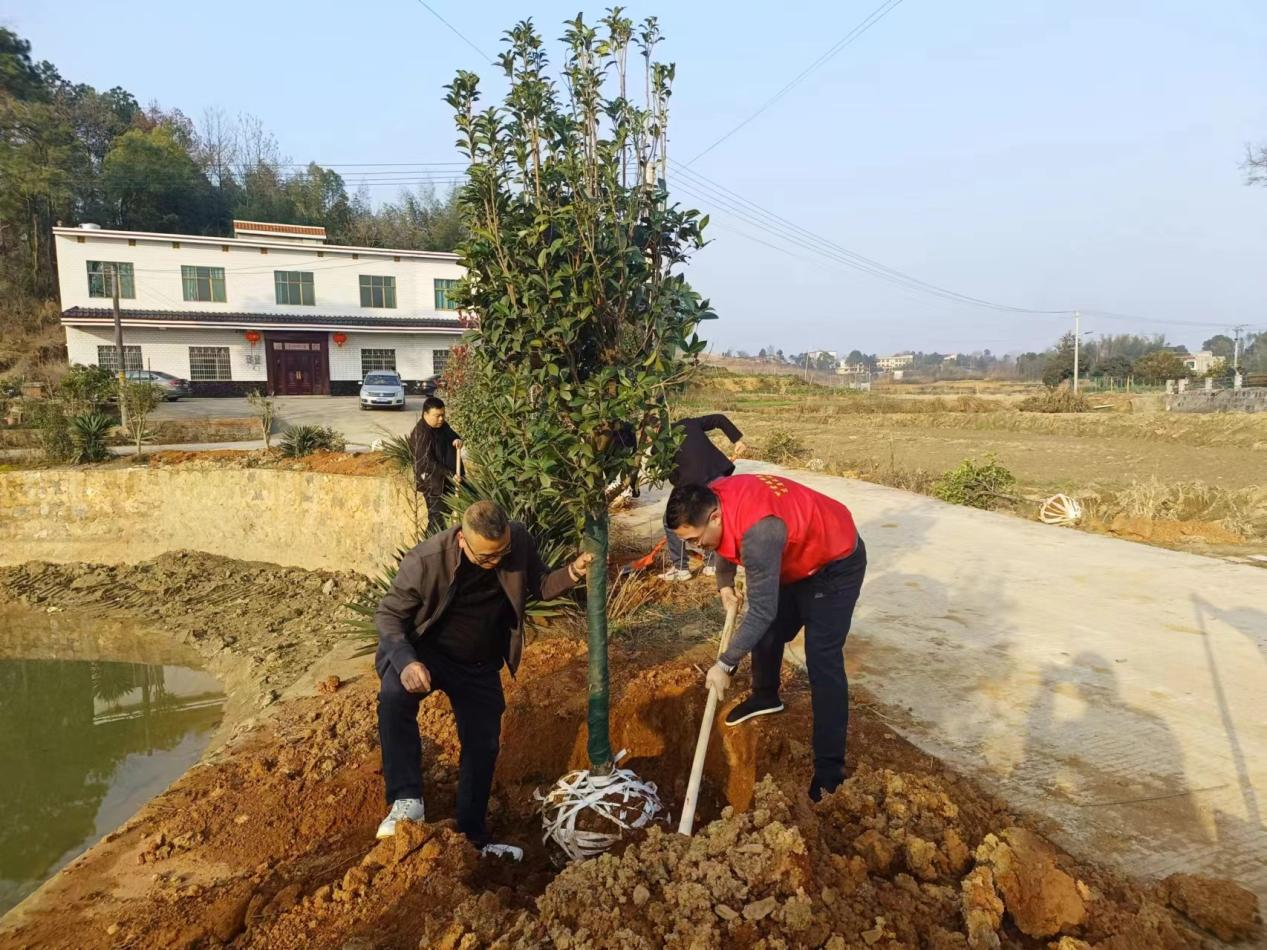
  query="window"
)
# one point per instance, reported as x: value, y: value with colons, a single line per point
x: 107, y: 358
x: 203, y: 283
x: 378, y: 291
x: 443, y: 289
x: 209, y: 363
x: 439, y: 361
x: 99, y: 279
x: 294, y: 288
x: 372, y: 360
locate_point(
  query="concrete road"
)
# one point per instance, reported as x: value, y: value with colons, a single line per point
x: 1117, y: 689
x: 343, y: 413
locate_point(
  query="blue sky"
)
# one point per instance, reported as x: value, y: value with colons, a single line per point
x: 1040, y: 154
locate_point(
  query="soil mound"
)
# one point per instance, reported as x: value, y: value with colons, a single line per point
x: 272, y: 845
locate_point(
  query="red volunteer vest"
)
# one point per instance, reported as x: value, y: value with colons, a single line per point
x: 819, y: 529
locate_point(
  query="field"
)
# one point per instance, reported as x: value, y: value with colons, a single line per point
x: 1183, y: 479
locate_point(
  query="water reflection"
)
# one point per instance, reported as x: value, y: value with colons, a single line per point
x: 83, y: 744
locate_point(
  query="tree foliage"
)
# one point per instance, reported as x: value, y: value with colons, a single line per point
x: 1160, y: 365
x: 585, y: 323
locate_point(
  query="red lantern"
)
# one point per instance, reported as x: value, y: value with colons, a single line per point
x: 252, y: 336
x: 340, y: 339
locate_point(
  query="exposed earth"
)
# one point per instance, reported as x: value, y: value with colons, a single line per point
x: 270, y: 842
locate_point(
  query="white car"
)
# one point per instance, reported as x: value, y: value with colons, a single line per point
x: 382, y: 389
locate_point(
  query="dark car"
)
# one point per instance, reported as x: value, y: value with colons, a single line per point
x: 431, y: 385
x: 172, y: 387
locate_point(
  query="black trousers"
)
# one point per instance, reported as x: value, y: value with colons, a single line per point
x: 437, y: 509
x: 823, y: 604
x: 475, y: 691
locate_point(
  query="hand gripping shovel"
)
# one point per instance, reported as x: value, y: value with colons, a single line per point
x: 705, y: 729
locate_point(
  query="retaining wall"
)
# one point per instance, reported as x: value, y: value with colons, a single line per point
x: 297, y: 519
x: 1227, y: 400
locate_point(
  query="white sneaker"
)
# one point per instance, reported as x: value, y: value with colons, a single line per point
x: 675, y: 574
x: 710, y: 570
x: 502, y: 851
x: 403, y: 809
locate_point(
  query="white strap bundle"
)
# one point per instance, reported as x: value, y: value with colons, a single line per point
x: 1060, y: 509
x: 610, y: 797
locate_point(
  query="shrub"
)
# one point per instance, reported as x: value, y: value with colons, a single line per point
x: 398, y: 450
x: 88, y: 432
x: 783, y: 448
x: 53, y: 426
x: 1056, y: 400
x: 977, y: 485
x: 87, y: 388
x: 265, y: 411
x: 304, y: 440
x: 139, y: 399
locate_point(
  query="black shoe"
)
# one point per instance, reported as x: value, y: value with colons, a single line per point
x: 818, y: 788
x: 754, y: 705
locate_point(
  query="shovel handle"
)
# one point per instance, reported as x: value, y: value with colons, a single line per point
x: 701, y: 744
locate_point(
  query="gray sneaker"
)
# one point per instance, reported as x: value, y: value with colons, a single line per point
x: 403, y: 809
x: 502, y: 851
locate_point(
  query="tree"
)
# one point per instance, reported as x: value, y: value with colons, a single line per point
x: 1059, y: 363
x: 855, y: 357
x: 150, y: 183
x: 1117, y: 367
x: 584, y: 322
x: 1160, y: 365
x: 1255, y: 165
x: 1220, y: 345
x: 139, y: 399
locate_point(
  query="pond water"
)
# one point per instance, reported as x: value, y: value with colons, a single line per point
x: 95, y: 720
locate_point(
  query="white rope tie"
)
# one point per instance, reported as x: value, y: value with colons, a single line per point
x: 620, y: 799
x: 1060, y: 509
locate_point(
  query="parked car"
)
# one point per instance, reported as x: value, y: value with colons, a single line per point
x: 172, y: 387
x: 382, y: 389
x: 431, y: 384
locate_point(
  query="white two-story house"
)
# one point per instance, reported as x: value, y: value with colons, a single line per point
x: 273, y: 308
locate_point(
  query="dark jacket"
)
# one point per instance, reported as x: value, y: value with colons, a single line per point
x: 435, y: 458
x: 424, y: 585
x: 698, y: 461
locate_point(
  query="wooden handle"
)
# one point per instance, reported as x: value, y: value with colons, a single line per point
x: 705, y: 730
x: 459, y: 468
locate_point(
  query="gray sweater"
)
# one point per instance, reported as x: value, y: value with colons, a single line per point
x: 761, y: 550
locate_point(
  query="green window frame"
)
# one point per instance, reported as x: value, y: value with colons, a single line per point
x: 443, y: 287
x: 378, y: 291
x: 99, y: 279
x: 203, y: 284
x: 295, y: 288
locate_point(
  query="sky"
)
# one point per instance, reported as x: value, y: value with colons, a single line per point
x: 1039, y: 155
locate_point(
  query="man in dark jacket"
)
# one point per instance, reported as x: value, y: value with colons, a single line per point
x: 435, y: 447
x: 454, y: 614
x: 698, y: 462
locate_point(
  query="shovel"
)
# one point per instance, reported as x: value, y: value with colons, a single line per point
x: 705, y: 729
x: 458, y: 473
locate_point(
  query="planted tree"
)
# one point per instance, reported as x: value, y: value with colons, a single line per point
x: 138, y: 398
x: 585, y: 323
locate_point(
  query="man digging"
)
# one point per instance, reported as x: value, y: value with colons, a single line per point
x: 698, y: 462
x: 804, y: 563
x: 435, y: 447
x: 454, y: 614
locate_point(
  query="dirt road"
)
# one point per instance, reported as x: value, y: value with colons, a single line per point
x: 1114, y: 687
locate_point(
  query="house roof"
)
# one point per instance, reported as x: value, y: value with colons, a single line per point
x: 95, y: 316
x: 304, y: 230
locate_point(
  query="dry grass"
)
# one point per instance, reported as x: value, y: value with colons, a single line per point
x: 1242, y: 512
x: 1055, y: 400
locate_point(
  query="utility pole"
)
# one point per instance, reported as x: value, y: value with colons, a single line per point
x: 118, y: 341
x: 1236, y: 349
x: 1077, y: 345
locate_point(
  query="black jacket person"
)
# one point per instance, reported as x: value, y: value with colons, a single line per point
x: 454, y: 615
x: 435, y: 450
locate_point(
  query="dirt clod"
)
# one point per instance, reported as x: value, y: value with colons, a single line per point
x: 1041, y: 898
x: 1224, y: 908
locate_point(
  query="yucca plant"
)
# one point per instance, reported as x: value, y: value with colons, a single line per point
x: 88, y: 432
x: 303, y: 440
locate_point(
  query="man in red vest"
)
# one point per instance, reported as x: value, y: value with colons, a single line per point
x: 804, y: 563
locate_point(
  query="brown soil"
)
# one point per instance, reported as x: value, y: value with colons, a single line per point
x: 330, y: 463
x: 271, y: 845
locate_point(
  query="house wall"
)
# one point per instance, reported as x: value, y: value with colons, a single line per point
x: 168, y: 352
x: 249, y: 267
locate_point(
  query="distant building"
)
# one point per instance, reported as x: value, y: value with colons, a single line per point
x: 950, y: 357
x: 897, y: 361
x: 852, y: 369
x: 1199, y: 363
x: 815, y: 354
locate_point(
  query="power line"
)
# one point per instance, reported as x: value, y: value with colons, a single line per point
x: 456, y: 31
x: 876, y: 15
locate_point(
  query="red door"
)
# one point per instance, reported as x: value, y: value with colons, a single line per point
x: 297, y: 365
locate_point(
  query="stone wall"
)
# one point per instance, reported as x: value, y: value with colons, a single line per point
x: 297, y: 519
x: 1227, y: 400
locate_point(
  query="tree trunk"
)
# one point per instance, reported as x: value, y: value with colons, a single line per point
x: 599, y: 744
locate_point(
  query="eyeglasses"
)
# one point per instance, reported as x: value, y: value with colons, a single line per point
x: 482, y: 559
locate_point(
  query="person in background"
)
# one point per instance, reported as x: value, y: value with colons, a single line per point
x: 698, y: 462
x: 435, y: 448
x: 805, y: 563
x: 453, y: 617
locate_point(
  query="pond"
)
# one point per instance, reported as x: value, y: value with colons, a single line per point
x: 95, y: 720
